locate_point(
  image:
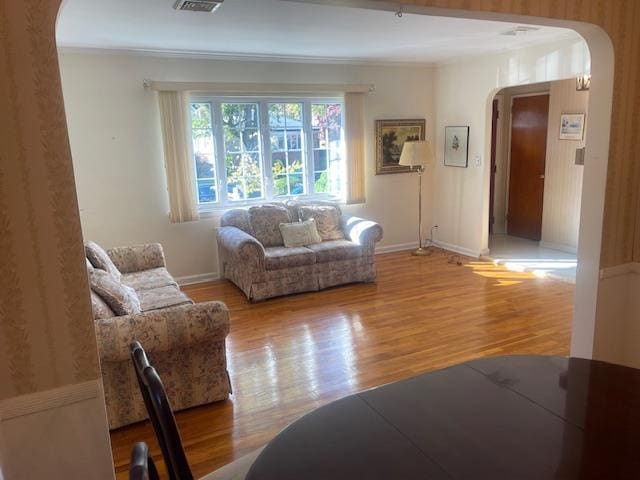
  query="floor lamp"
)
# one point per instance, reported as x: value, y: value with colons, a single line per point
x: 417, y: 155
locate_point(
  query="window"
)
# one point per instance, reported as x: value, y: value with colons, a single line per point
x: 250, y: 150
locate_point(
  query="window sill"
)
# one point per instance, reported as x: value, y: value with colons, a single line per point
x: 212, y: 211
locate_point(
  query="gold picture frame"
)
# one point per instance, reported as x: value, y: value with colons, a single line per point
x: 390, y: 138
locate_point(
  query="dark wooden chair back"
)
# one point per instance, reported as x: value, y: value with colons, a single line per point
x: 142, y: 466
x: 161, y: 415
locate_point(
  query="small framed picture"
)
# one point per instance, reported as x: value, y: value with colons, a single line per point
x: 456, y: 146
x: 571, y: 126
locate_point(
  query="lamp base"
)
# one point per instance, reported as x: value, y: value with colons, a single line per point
x: 421, y: 252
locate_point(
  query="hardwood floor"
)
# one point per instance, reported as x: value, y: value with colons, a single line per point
x: 289, y: 355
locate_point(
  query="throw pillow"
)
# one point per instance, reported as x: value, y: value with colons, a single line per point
x: 100, y: 259
x: 265, y: 221
x: 327, y: 220
x: 300, y: 234
x: 100, y: 308
x: 123, y: 300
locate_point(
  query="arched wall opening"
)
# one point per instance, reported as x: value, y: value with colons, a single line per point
x: 601, y: 52
x: 44, y: 107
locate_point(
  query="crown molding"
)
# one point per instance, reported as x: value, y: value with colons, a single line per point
x: 199, y: 55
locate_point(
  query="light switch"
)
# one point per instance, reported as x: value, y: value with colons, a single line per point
x: 478, y: 160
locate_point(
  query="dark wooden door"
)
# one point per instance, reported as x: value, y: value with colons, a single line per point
x: 492, y: 188
x: 529, y: 117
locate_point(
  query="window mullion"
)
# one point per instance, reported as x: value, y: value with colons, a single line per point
x: 265, y: 137
x: 308, y: 135
x: 221, y: 170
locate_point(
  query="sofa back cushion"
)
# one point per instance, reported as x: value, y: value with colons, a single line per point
x: 327, y: 218
x: 100, y: 308
x: 100, y: 259
x: 265, y: 221
x: 237, y: 217
x: 300, y: 234
x: 294, y: 207
x: 122, y: 299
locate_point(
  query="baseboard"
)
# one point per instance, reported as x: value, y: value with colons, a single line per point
x: 619, y: 270
x: 458, y: 249
x: 200, y: 278
x: 558, y: 246
x: 398, y: 247
x: 49, y: 399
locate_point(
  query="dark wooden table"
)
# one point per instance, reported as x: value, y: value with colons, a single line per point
x: 516, y: 417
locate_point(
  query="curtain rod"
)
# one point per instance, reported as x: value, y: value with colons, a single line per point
x: 257, y: 88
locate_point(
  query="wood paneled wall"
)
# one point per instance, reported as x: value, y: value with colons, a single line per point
x: 621, y: 20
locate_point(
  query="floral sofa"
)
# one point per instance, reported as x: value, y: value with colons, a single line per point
x: 254, y: 257
x: 185, y: 341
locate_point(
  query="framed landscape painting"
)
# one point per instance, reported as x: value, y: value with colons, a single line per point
x: 390, y: 138
x: 571, y: 126
x: 456, y: 146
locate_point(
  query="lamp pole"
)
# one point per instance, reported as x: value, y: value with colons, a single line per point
x: 420, y: 251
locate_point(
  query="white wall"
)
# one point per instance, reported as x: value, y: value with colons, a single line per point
x: 464, y: 93
x: 117, y: 148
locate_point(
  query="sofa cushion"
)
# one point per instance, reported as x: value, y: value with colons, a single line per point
x: 327, y: 220
x: 294, y: 206
x: 162, y: 297
x: 237, y: 217
x: 147, y: 279
x: 276, y: 258
x: 122, y: 299
x: 100, y: 308
x: 265, y: 221
x: 99, y: 259
x: 299, y: 234
x: 333, y: 250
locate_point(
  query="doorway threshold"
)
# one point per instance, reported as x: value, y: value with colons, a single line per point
x: 523, y: 255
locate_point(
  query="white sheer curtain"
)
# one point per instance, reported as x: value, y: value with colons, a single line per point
x: 354, y: 136
x: 174, y: 114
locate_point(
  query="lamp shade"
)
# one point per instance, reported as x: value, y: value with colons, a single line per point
x: 416, y: 153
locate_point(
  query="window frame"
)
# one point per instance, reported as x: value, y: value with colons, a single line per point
x: 223, y: 202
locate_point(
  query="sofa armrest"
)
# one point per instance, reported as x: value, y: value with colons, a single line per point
x: 162, y: 330
x: 137, y: 257
x: 241, y: 245
x: 361, y: 231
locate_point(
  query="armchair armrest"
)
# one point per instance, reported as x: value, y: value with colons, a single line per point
x: 361, y: 231
x: 137, y: 257
x: 162, y: 330
x: 241, y: 245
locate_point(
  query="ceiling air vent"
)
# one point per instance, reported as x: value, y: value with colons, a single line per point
x: 197, y: 5
x: 521, y: 30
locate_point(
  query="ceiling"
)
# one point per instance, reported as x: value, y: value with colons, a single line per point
x: 280, y: 29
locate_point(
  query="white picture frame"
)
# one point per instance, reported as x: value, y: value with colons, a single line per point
x: 572, y: 126
x: 456, y: 146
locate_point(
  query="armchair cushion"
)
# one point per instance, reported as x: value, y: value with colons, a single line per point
x: 333, y: 250
x: 287, y: 257
x: 148, y: 279
x: 327, y: 220
x: 162, y: 297
x: 122, y: 299
x: 137, y: 257
x: 265, y: 221
x: 162, y: 330
x: 99, y: 258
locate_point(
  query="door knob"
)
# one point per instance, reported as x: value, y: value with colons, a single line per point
x: 542, y: 175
